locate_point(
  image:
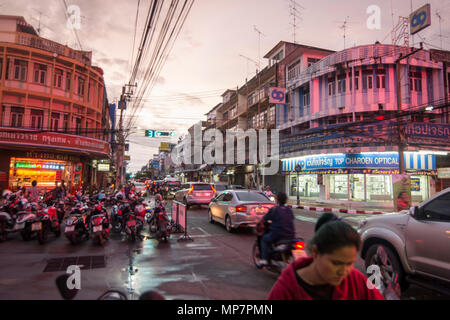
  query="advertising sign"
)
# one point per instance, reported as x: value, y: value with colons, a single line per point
x: 415, y: 184
x: 55, y: 140
x: 443, y: 173
x: 103, y: 167
x: 402, y: 191
x: 420, y: 19
x: 164, y: 146
x: 277, y: 95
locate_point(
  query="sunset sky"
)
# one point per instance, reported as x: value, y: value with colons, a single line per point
x: 205, y: 60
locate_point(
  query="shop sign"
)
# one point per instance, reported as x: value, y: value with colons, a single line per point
x: 51, y: 156
x: 415, y: 184
x: 103, y: 167
x: 428, y: 130
x: 51, y: 139
x: 443, y: 173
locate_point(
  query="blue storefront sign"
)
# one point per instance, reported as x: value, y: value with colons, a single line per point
x: 360, y: 161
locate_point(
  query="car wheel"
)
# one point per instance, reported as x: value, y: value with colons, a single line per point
x: 228, y: 225
x: 392, y: 264
x: 210, y: 217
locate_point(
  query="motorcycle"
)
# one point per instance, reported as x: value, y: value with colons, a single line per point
x: 77, y: 226
x: 60, y: 210
x: 99, y: 225
x: 163, y: 226
x: 14, y: 219
x: 281, y: 253
x: 47, y: 221
x: 390, y: 288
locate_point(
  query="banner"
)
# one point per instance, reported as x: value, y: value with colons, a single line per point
x: 402, y: 191
x: 182, y: 216
x: 175, y: 211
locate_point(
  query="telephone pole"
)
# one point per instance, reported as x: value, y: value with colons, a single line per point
x: 401, y: 146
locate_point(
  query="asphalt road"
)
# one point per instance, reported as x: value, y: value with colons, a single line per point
x: 215, y: 265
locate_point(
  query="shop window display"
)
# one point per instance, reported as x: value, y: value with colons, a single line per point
x: 419, y: 188
x: 339, y: 187
x: 379, y: 188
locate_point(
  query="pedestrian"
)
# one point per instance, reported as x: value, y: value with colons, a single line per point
x: 328, y: 273
x: 33, y: 193
x: 63, y: 190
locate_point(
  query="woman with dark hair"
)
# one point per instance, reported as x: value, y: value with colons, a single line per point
x: 328, y: 273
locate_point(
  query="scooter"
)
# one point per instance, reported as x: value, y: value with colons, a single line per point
x: 47, y: 221
x: 99, y: 226
x: 282, y: 253
x: 76, y: 226
x: 17, y: 220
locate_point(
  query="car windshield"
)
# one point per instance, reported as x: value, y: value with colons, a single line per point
x: 139, y: 184
x: 220, y: 187
x: 237, y: 187
x: 202, y: 187
x: 251, y: 196
x: 173, y: 183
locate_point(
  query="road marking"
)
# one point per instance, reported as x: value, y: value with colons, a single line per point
x: 201, y: 229
x: 306, y: 219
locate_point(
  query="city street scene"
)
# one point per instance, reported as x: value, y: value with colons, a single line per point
x: 225, y: 150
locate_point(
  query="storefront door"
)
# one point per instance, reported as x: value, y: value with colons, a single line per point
x: 357, y: 187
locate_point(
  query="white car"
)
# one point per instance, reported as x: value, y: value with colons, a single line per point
x: 140, y: 187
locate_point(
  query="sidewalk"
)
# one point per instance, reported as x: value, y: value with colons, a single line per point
x: 353, y: 208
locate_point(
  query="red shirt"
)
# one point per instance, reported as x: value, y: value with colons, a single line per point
x: 354, y: 287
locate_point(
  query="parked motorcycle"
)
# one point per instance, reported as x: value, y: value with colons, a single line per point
x: 281, y: 254
x: 99, y: 225
x: 47, y: 222
x: 16, y: 219
x: 77, y: 228
x: 163, y: 226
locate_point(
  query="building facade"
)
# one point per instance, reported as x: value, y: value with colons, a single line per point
x: 341, y: 125
x: 55, y: 121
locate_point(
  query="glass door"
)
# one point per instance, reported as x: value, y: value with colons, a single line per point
x: 357, y: 187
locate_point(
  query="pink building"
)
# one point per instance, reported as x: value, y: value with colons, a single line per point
x: 54, y: 120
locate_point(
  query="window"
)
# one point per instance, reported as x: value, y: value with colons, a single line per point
x: 311, y: 61
x: 220, y: 197
x: 66, y: 123
x: 251, y: 196
x: 202, y: 187
x: 438, y: 209
x: 20, y: 70
x: 332, y: 120
x: 370, y: 81
x: 37, y: 117
x: 225, y: 116
x: 306, y: 98
x: 17, y: 117
x: 415, y: 81
x: 331, y: 87
x: 80, y: 86
x: 78, y: 126
x: 233, y: 112
x: 55, y: 121
x: 294, y: 70
x: 1, y: 67
x: 272, y: 114
x: 40, y: 73
x: 57, y: 82
x: 341, y: 84
x: 68, y: 77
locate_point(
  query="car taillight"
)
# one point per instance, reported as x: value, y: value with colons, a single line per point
x: 97, y: 220
x: 214, y: 190
x: 192, y: 189
x: 241, y: 209
x: 299, y: 245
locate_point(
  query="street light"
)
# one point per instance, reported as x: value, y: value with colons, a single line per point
x: 298, y: 169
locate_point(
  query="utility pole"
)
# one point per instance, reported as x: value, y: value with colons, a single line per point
x: 401, y: 146
x: 120, y: 144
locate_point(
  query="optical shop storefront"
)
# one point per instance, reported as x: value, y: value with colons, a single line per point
x: 357, y: 177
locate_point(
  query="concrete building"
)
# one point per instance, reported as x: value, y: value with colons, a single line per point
x: 55, y: 114
x: 340, y: 125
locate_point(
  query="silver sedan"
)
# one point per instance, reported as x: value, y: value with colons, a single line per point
x: 239, y: 208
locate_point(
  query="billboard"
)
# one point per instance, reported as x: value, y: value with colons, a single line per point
x: 420, y: 19
x: 164, y: 146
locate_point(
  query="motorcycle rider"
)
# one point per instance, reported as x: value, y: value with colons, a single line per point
x: 282, y: 227
x: 328, y: 273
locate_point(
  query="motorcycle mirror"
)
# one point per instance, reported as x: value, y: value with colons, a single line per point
x: 113, y: 295
x: 66, y: 293
x: 382, y: 255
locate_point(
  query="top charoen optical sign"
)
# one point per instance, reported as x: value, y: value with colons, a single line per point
x: 420, y: 19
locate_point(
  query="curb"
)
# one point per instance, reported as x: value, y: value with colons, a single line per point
x: 337, y: 210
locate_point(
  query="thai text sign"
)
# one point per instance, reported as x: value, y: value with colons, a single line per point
x: 51, y: 139
x: 429, y: 130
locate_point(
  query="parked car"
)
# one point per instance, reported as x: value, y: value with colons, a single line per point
x: 417, y: 242
x: 195, y: 193
x: 239, y: 208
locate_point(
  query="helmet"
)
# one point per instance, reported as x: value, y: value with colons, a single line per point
x: 6, y: 193
x: 158, y: 197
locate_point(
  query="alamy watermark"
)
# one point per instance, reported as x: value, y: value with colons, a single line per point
x: 374, y: 280
x: 208, y: 148
x: 74, y: 17
x: 374, y: 20
x: 74, y: 281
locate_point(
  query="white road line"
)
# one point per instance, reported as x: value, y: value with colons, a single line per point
x: 201, y: 229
